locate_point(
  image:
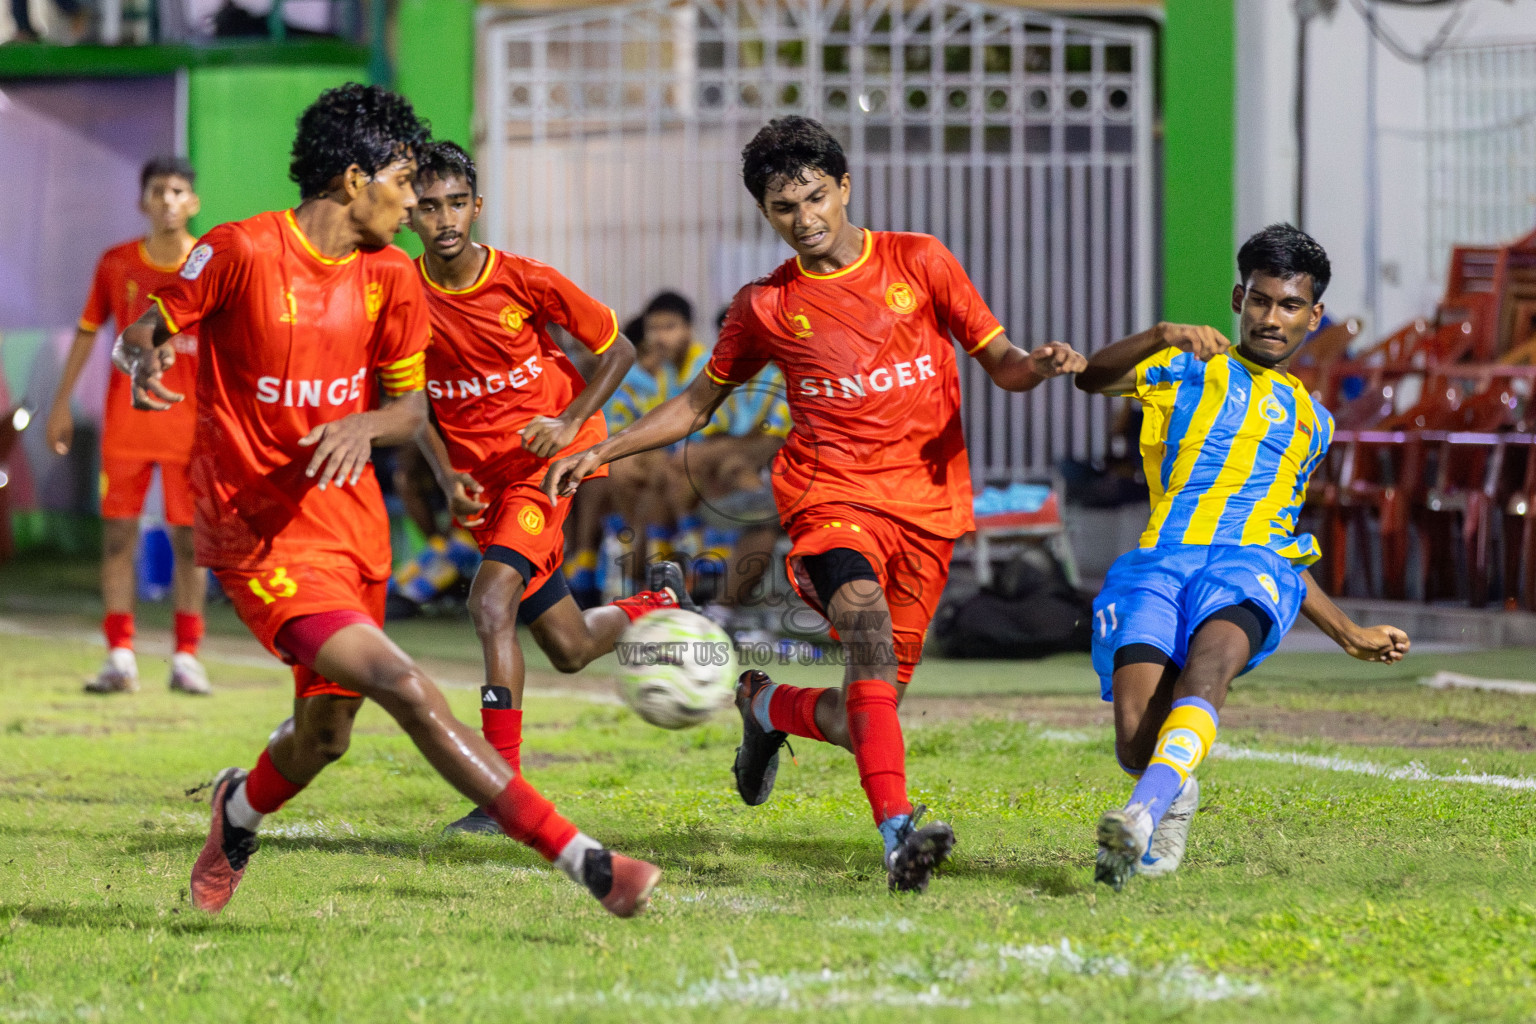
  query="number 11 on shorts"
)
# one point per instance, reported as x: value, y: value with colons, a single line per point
x: 1106, y: 616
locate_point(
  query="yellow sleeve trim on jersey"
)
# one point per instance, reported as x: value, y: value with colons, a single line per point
x: 712, y: 375
x: 170, y: 321
x: 88, y: 327
x: 612, y: 336
x: 404, y: 375
x: 984, y: 342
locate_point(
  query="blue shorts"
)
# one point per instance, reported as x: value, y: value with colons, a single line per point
x: 1161, y: 595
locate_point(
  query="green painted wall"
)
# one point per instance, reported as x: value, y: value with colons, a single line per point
x: 435, y: 69
x: 1199, y: 160
x: 435, y: 64
x: 240, y: 128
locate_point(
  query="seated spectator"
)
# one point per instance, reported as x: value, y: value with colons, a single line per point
x: 641, y: 489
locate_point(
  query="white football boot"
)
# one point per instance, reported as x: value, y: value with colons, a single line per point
x: 188, y: 675
x: 1123, y: 837
x: 1171, y: 837
x: 119, y: 673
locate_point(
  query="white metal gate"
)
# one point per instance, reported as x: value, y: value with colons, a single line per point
x: 1482, y: 146
x: 1022, y: 141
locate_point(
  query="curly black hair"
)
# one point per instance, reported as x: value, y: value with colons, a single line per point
x: 353, y: 124
x: 1286, y: 252
x: 790, y: 147
x: 438, y: 161
x: 164, y: 167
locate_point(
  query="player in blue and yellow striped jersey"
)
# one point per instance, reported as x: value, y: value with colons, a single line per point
x: 1229, y: 440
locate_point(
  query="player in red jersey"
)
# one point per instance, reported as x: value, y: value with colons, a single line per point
x: 507, y: 401
x: 872, y: 484
x: 133, y: 443
x: 312, y: 331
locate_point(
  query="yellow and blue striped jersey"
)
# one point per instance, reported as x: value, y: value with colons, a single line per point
x: 757, y: 407
x: 641, y: 391
x: 1228, y: 447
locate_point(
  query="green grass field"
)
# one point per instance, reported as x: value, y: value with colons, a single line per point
x: 1309, y: 893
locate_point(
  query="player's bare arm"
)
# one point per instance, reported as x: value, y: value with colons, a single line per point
x: 461, y: 489
x: 668, y: 423
x: 1386, y: 644
x: 61, y: 422
x: 344, y: 447
x: 1112, y: 370
x: 143, y: 352
x: 547, y: 435
x: 1013, y: 369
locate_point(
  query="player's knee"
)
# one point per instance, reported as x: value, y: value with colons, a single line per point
x: 567, y: 655
x: 115, y: 543
x: 181, y: 543
x: 494, y: 609
x: 404, y: 691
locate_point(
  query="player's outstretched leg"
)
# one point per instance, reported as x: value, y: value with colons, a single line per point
x: 861, y: 718
x: 1219, y: 649
x: 572, y: 639
x: 361, y: 658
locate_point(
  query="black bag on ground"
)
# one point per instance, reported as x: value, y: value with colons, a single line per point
x: 1027, y: 612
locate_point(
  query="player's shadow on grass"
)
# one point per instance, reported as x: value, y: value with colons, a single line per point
x: 182, y: 920
x: 823, y: 855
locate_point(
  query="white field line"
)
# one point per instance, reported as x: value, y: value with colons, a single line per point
x: 1407, y: 773
x: 1457, y: 681
x: 928, y: 984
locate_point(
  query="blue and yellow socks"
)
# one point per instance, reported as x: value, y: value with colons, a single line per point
x: 1187, y: 735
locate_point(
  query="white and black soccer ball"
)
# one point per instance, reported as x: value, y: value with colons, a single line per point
x: 676, y: 668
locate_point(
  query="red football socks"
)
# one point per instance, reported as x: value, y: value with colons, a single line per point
x: 528, y: 817
x: 877, y: 746
x: 189, y: 632
x: 118, y: 627
x: 792, y: 709
x: 644, y: 603
x: 265, y: 788
x: 502, y: 724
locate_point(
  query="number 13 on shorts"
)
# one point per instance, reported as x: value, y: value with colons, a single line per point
x: 279, y: 584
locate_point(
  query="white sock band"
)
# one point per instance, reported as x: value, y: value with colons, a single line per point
x: 574, y: 856
x: 239, y: 812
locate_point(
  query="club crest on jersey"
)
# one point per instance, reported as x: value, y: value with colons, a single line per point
x: 530, y: 518
x: 1268, y: 583
x: 1271, y: 409
x: 800, y: 324
x: 373, y: 300
x: 197, y: 259
x: 901, y: 298
x: 512, y: 317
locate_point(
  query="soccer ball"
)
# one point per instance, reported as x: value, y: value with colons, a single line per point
x: 676, y: 668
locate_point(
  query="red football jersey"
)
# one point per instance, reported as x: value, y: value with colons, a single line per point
x: 290, y: 340
x: 492, y: 365
x: 873, y: 386
x: 125, y: 278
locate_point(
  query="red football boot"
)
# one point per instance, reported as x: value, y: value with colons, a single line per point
x: 221, y: 865
x: 621, y: 884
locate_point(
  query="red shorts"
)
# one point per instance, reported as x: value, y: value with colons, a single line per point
x: 912, y: 566
x: 268, y: 599
x: 124, y: 482
x: 522, y: 519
